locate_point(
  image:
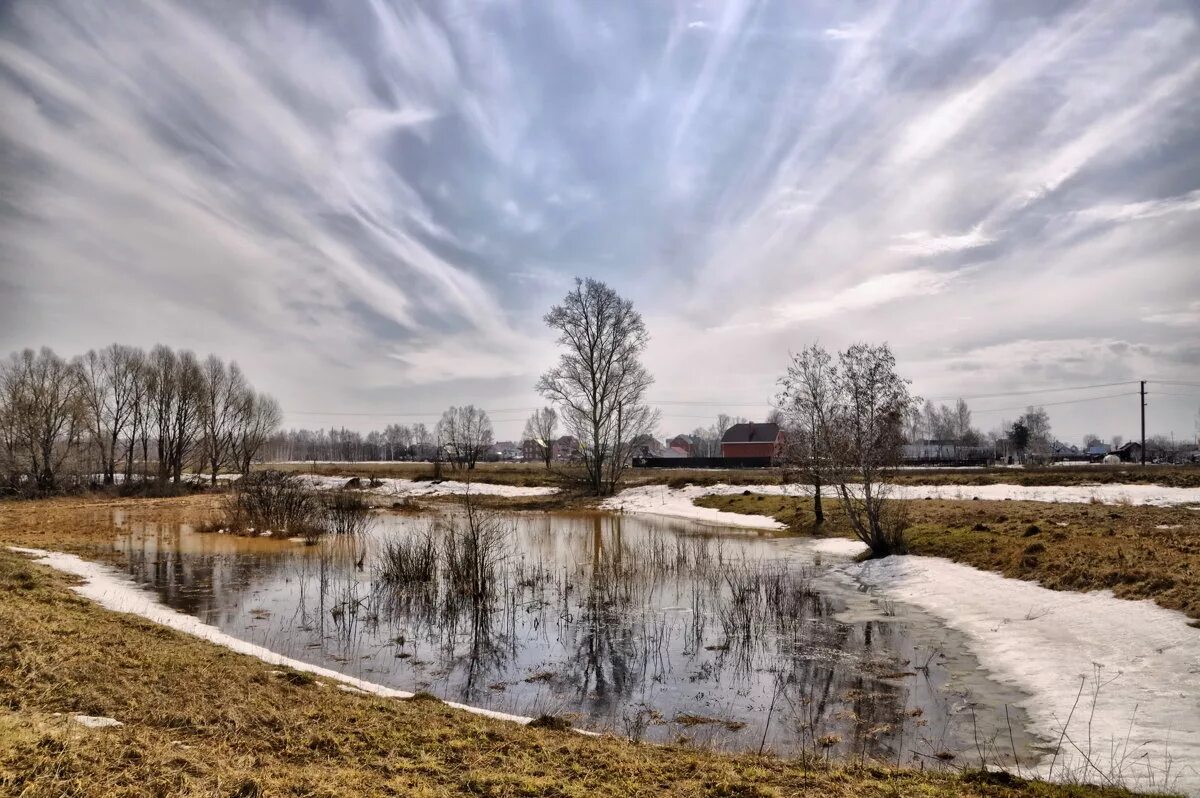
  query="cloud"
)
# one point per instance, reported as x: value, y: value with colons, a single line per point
x: 374, y: 203
x: 867, y: 294
x: 1147, y: 209
x: 924, y: 243
x: 1187, y: 316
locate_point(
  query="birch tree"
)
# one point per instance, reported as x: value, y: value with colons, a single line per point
x: 599, y: 383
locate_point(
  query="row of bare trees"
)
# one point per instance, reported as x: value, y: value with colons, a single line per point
x: 844, y: 421
x: 393, y: 442
x: 124, y: 411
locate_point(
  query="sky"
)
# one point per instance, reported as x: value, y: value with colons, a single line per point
x: 371, y: 205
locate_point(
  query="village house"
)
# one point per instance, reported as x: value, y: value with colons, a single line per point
x: 751, y: 439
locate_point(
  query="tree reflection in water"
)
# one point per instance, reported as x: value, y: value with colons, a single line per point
x: 653, y: 628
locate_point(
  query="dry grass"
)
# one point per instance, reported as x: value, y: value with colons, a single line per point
x: 536, y: 474
x: 201, y: 720
x: 1137, y: 552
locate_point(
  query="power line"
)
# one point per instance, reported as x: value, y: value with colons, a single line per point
x: 1054, y: 404
x: 1038, y: 391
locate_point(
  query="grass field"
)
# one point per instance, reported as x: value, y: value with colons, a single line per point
x: 1135, y: 551
x: 535, y: 474
x: 201, y: 720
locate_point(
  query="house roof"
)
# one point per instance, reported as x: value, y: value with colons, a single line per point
x: 751, y: 432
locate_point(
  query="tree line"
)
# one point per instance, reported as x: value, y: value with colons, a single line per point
x: 462, y: 437
x: 124, y: 411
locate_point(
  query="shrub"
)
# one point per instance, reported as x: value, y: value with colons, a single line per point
x: 275, y: 502
x: 347, y: 513
x: 413, y: 560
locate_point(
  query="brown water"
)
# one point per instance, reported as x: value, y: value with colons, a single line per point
x: 651, y: 628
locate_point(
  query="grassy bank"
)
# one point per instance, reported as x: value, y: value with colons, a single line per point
x: 1137, y: 552
x: 201, y: 720
x: 536, y: 474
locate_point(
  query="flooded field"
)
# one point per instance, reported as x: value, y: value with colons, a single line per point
x: 654, y: 629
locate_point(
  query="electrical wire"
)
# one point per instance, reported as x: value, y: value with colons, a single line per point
x: 1054, y: 404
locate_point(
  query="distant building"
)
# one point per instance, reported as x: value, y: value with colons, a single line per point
x: 751, y: 439
x: 1097, y: 452
x: 566, y: 448
x: 1067, y: 452
x: 506, y: 450
x: 1130, y: 452
x: 684, y: 443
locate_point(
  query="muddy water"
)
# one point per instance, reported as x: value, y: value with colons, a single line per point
x: 652, y: 628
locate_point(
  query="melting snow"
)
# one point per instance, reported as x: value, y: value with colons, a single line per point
x: 678, y: 502
x: 400, y: 488
x: 1145, y: 660
x: 96, y: 721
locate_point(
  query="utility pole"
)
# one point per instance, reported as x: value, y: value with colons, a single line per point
x: 1143, y: 422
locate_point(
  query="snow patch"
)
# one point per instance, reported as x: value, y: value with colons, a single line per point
x: 96, y: 721
x: 678, y: 502
x: 400, y: 488
x: 1143, y: 659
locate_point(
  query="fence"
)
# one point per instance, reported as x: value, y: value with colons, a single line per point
x: 702, y: 462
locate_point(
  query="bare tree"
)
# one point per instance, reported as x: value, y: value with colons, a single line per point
x: 600, y: 383
x: 109, y: 388
x: 1037, y: 421
x: 44, y: 412
x: 807, y: 400
x: 863, y: 438
x: 222, y: 391
x: 258, y: 416
x: 465, y: 434
x: 176, y: 390
x: 963, y: 433
x: 542, y: 429
x: 422, y: 441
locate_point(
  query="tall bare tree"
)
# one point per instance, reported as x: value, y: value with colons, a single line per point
x: 542, y: 429
x: 109, y: 387
x: 44, y: 411
x: 465, y: 434
x: 258, y: 416
x: 600, y: 383
x: 863, y: 438
x: 223, y: 390
x: 807, y: 400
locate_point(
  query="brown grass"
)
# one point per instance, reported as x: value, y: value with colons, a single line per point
x: 1063, y: 546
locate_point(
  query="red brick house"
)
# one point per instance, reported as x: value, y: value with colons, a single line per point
x: 751, y: 440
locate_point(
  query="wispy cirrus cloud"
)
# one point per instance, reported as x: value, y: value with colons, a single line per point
x: 393, y: 193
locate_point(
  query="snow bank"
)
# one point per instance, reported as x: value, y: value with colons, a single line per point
x: 115, y: 592
x: 677, y: 502
x: 1144, y: 721
x: 400, y: 488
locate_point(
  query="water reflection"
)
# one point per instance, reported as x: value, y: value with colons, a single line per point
x: 651, y: 628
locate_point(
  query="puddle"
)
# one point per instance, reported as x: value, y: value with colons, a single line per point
x: 652, y: 628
